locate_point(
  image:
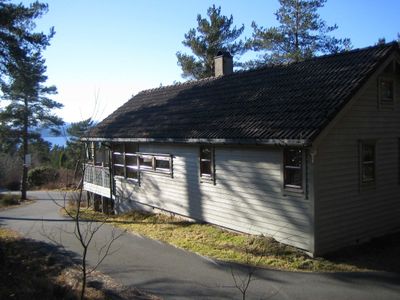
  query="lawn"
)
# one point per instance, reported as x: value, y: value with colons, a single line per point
x: 220, y: 244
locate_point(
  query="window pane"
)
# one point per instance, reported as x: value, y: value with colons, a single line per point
x: 206, y: 160
x: 146, y: 162
x: 293, y: 157
x: 118, y: 159
x: 131, y: 173
x: 162, y: 164
x: 367, y: 163
x: 293, y: 178
x: 119, y: 171
x: 386, y: 89
x: 293, y: 171
x: 205, y: 167
x: 205, y: 152
x: 368, y: 172
x: 368, y: 153
x: 131, y: 160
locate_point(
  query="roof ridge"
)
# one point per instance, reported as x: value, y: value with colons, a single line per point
x: 194, y: 82
x: 393, y: 44
x: 178, y: 84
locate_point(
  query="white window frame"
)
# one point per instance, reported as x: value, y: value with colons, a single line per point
x: 205, y: 177
x: 125, y: 166
x: 385, y: 102
x: 287, y: 187
x: 363, y: 164
x: 154, y: 158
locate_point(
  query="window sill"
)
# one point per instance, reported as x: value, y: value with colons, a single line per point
x: 367, y: 186
x: 163, y: 172
x: 207, y: 180
x: 123, y: 179
x: 293, y: 192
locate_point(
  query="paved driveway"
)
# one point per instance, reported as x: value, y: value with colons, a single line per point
x: 176, y: 274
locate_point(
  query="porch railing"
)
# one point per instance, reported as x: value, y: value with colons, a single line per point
x: 97, y: 175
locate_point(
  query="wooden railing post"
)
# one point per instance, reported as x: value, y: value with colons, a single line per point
x: 102, y: 175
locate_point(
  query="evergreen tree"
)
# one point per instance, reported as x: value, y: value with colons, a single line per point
x: 301, y: 34
x: 211, y: 36
x: 30, y: 105
x: 8, y: 142
x: 22, y: 75
x: 16, y: 32
x: 75, y: 149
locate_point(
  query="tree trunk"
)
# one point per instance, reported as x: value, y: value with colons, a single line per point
x: 24, y: 180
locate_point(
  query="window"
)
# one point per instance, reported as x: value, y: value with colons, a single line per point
x: 207, y: 162
x: 398, y: 160
x: 146, y: 162
x: 118, y: 160
x: 367, y: 162
x: 160, y: 163
x: 125, y: 160
x: 386, y: 92
x: 293, y: 169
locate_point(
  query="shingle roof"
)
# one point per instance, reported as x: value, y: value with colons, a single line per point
x: 291, y: 102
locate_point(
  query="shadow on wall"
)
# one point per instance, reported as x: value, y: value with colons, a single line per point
x: 194, y: 193
x: 247, y: 196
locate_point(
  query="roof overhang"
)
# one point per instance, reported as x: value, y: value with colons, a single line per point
x: 274, y: 142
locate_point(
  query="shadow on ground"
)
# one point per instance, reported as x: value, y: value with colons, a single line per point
x: 33, y: 269
x: 380, y: 254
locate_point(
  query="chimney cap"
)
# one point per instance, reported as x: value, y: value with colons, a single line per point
x: 224, y: 54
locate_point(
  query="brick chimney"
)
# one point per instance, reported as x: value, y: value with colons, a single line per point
x: 223, y: 63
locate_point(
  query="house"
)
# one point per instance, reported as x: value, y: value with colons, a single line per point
x: 308, y: 152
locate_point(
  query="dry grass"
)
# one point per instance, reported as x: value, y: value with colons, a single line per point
x: 9, y: 200
x: 36, y: 270
x: 214, y: 242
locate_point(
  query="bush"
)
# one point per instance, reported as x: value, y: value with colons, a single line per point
x: 10, y: 171
x: 8, y: 200
x: 42, y: 175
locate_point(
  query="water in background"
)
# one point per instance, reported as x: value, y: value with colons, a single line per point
x: 56, y: 140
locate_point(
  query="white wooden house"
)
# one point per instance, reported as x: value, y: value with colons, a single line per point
x: 307, y: 152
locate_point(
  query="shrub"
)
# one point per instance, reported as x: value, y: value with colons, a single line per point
x: 8, y: 200
x: 42, y: 175
x: 10, y: 171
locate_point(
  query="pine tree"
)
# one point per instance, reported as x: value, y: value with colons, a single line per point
x: 211, y: 36
x: 22, y: 76
x: 301, y: 34
x: 16, y: 32
x: 30, y: 105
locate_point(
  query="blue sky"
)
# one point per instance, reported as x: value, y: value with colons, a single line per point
x: 105, y: 51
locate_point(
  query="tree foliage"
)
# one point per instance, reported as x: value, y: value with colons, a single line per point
x: 301, y: 34
x: 17, y: 37
x: 29, y: 97
x: 211, y: 35
x: 74, y: 150
x: 22, y: 70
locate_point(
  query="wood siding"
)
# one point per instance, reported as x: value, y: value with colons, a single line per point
x: 348, y: 212
x: 247, y: 194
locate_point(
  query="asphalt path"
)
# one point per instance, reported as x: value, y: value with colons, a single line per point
x: 172, y: 273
